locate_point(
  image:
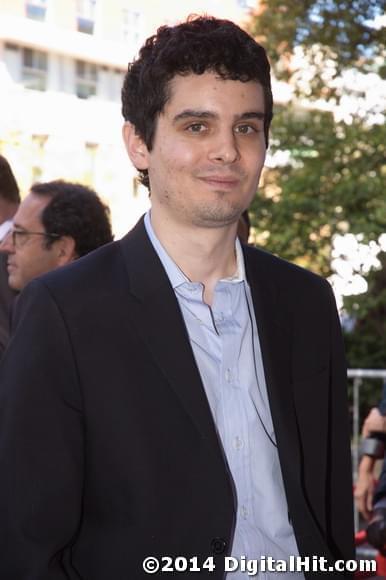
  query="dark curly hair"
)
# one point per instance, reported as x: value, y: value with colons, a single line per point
x: 74, y: 210
x: 196, y: 46
x: 9, y: 189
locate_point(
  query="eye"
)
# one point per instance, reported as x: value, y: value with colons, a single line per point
x: 196, y: 128
x: 246, y: 129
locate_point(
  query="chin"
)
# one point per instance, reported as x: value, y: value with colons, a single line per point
x: 220, y: 216
x: 14, y: 286
x: 215, y: 221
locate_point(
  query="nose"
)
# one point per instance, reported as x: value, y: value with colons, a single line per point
x: 6, y: 244
x: 223, y: 148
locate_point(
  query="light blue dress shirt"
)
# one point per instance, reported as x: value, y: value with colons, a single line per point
x: 226, y: 347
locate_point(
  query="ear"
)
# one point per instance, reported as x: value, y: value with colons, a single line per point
x: 135, y: 147
x: 65, y: 250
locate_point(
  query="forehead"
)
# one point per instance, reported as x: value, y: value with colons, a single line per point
x: 213, y: 93
x: 29, y: 212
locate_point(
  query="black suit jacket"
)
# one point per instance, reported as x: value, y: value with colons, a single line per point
x: 108, y: 450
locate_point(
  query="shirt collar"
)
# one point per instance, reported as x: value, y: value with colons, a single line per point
x: 239, y: 275
x: 175, y: 274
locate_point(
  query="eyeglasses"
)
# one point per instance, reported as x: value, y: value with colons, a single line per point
x: 20, y: 237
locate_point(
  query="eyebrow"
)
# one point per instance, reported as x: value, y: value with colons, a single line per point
x: 200, y: 114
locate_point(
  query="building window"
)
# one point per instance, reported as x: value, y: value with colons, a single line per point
x: 246, y: 4
x: 11, y: 47
x: 36, y: 9
x: 86, y: 16
x: 86, y: 79
x: 132, y: 23
x: 34, y: 69
x: 116, y: 85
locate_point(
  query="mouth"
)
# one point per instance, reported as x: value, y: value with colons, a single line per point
x: 221, y: 181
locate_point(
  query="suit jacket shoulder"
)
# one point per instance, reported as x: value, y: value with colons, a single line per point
x: 285, y: 273
x: 295, y: 294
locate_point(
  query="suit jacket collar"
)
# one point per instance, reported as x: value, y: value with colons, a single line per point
x: 160, y: 324
x: 162, y: 327
x: 275, y: 326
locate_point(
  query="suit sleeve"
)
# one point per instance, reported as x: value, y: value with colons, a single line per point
x: 41, y: 442
x: 339, y: 485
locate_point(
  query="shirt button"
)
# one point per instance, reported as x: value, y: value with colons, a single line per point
x: 228, y: 375
x: 238, y: 443
x: 218, y: 545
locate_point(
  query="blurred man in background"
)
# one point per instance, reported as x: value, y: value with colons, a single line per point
x: 55, y: 224
x: 9, y: 202
x: 9, y: 196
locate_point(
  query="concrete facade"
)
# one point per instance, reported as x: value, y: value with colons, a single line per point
x: 61, y: 68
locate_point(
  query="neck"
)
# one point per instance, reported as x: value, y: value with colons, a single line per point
x: 205, y: 255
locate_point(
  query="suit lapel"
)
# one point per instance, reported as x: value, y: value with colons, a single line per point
x: 274, y: 335
x: 159, y: 322
x: 274, y: 327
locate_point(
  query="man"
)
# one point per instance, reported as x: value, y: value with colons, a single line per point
x: 9, y: 202
x: 55, y: 224
x: 167, y: 409
x: 9, y: 196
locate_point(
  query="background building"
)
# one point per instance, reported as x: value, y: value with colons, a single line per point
x: 61, y: 68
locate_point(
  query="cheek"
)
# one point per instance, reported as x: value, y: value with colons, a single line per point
x: 25, y: 264
x: 170, y: 168
x: 180, y: 156
x: 31, y: 261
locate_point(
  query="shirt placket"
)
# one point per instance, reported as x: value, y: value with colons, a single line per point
x: 234, y: 419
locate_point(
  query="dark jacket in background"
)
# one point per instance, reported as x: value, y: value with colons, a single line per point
x: 6, y: 298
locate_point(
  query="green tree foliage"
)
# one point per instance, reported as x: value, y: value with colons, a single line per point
x: 342, y: 30
x: 331, y: 178
x: 366, y: 343
x: 333, y: 182
x: 328, y: 175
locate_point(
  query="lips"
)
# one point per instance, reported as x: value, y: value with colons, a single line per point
x: 220, y: 180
